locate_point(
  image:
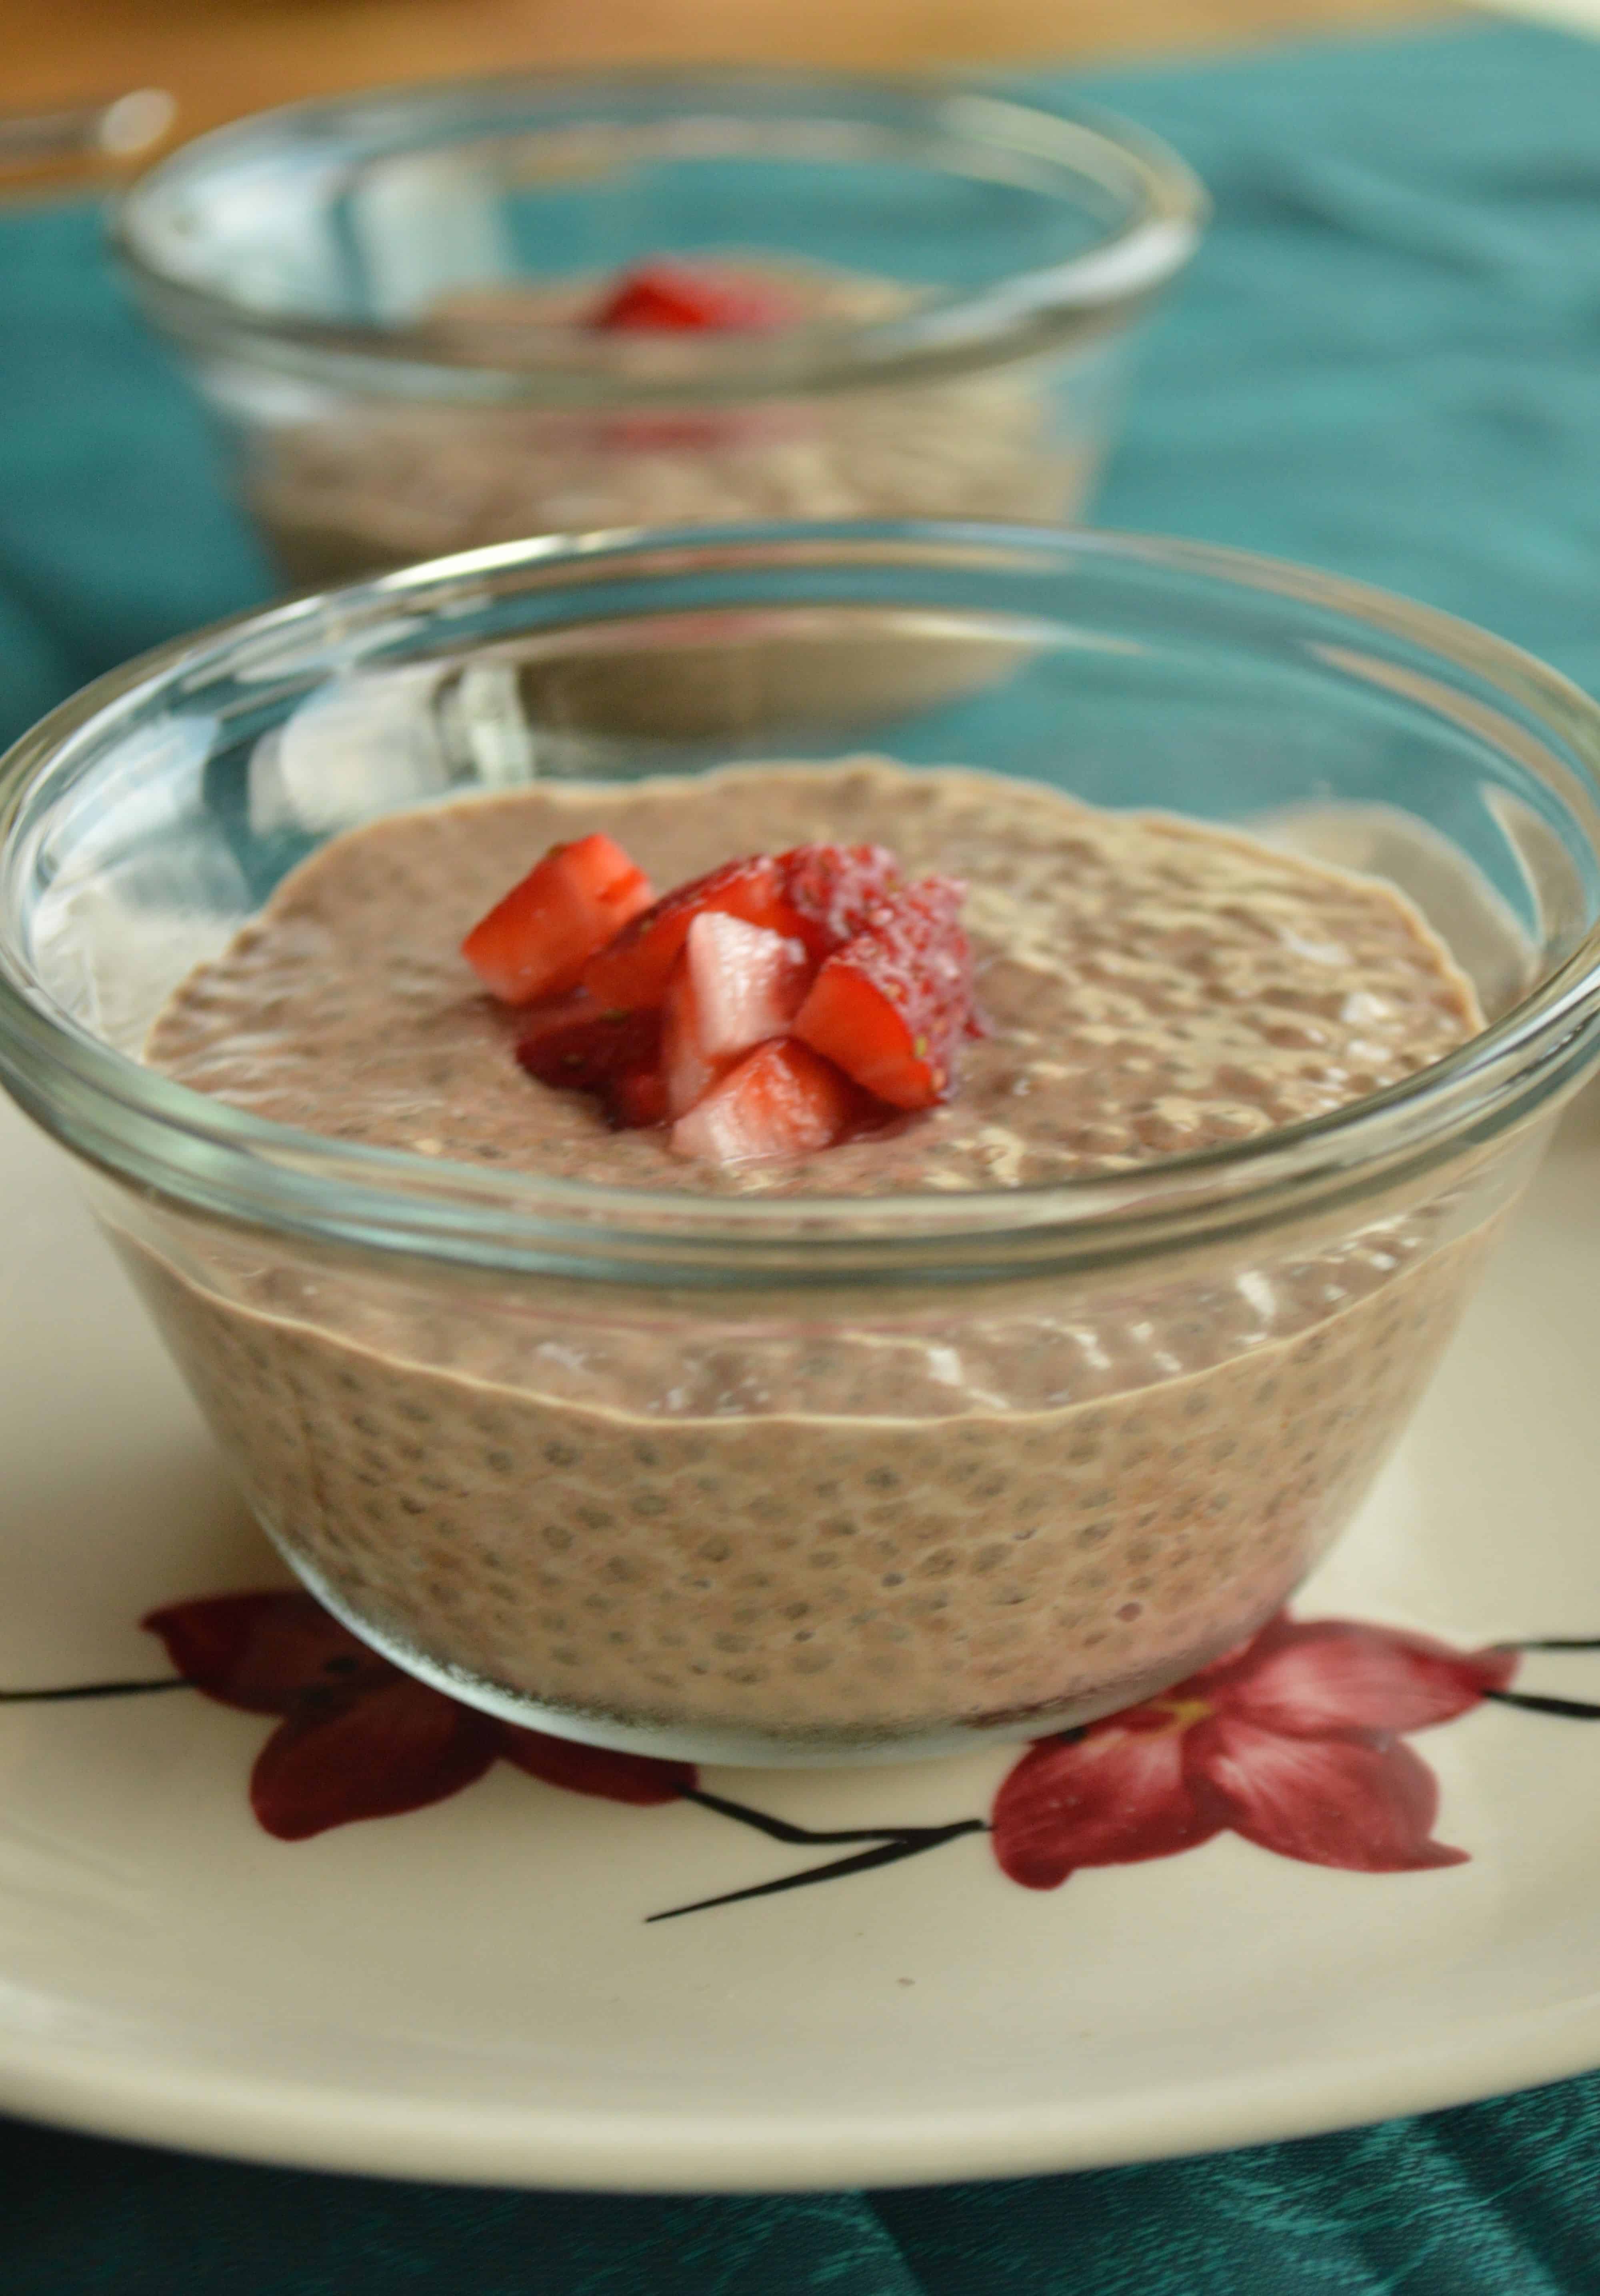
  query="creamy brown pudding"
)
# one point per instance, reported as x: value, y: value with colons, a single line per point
x: 1152, y: 986
x: 385, y: 484
x: 779, y: 1521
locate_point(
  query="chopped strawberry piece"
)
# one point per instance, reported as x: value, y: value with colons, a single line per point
x: 536, y: 942
x: 891, y: 1007
x: 734, y: 986
x: 835, y: 889
x: 781, y: 1099
x: 578, y: 1045
x: 664, y: 295
x: 637, y: 1100
x: 689, y: 1070
x: 749, y: 982
x: 634, y: 970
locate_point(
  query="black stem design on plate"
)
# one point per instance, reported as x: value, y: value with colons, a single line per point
x: 888, y: 1852
x: 96, y: 1690
x: 1533, y: 1702
x: 779, y: 1829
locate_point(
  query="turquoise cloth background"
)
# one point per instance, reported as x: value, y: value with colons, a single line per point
x: 1387, y: 361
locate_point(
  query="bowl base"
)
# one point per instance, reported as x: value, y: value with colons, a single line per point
x: 736, y: 1747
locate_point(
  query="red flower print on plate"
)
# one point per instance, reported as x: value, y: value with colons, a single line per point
x: 1294, y: 1740
x: 357, y: 1737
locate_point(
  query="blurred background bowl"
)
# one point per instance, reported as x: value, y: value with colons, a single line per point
x: 377, y: 298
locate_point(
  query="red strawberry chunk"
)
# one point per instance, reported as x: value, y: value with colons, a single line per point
x: 536, y: 942
x: 636, y: 1101
x: 578, y: 1045
x: 666, y: 295
x: 734, y: 986
x: 636, y: 969
x: 891, y: 1007
x: 688, y: 1069
x: 834, y: 890
x: 781, y: 1099
x: 749, y: 982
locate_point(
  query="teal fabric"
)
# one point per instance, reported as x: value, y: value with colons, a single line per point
x: 1493, y: 2199
x: 1387, y: 361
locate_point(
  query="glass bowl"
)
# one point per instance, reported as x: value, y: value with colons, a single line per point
x: 762, y: 1479
x: 376, y: 299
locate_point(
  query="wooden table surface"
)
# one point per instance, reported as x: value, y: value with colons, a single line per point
x: 220, y: 58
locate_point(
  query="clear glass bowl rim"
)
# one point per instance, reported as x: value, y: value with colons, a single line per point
x: 199, y: 1152
x: 1007, y: 318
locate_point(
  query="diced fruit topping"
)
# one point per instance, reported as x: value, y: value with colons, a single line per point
x: 833, y: 889
x: 734, y: 986
x: 536, y: 942
x: 748, y: 982
x: 754, y: 1010
x: 576, y: 1046
x: 634, y: 970
x: 664, y: 295
x: 780, y: 1101
x: 688, y: 1071
x: 636, y: 1101
x: 890, y: 1008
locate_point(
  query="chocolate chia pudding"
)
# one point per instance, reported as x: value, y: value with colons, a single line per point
x: 383, y: 484
x: 798, y: 1525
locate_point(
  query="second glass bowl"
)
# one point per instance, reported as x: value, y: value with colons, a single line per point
x: 377, y: 298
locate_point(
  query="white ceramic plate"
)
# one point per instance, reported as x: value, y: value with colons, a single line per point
x: 473, y: 1990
